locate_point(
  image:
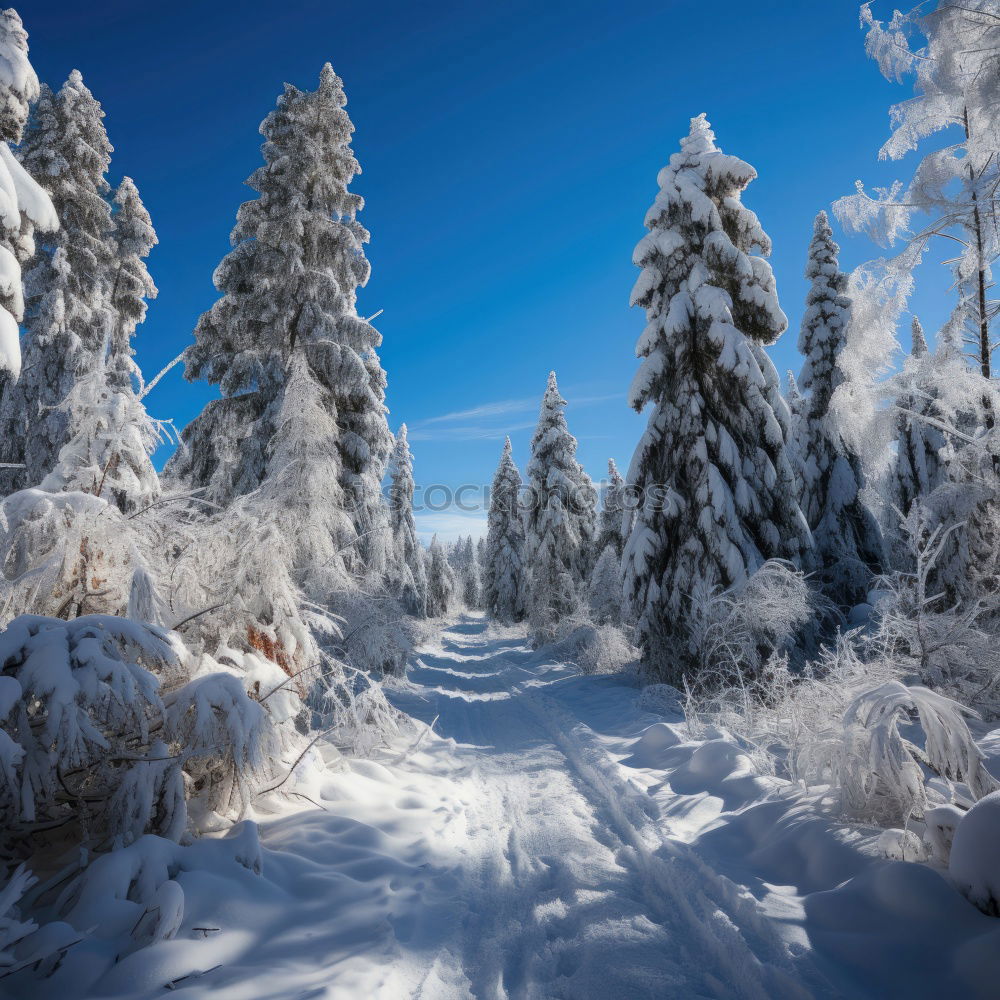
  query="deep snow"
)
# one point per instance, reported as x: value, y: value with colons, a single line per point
x: 549, y: 838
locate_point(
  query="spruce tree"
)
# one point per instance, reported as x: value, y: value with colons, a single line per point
x: 302, y: 482
x: 919, y: 466
x: 292, y: 279
x: 560, y: 524
x: 847, y: 544
x: 472, y: 590
x: 605, y: 590
x: 24, y: 205
x: 407, y: 573
x: 131, y: 284
x: 504, y: 570
x: 68, y: 314
x: 797, y: 407
x: 717, y: 488
x: 440, y: 581
x: 612, y: 522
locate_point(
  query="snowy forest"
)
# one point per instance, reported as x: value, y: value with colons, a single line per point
x: 724, y: 722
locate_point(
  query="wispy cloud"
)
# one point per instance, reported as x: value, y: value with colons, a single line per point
x: 498, y: 409
x: 439, y: 428
x: 467, y: 433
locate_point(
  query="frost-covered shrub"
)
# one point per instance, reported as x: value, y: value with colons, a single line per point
x: 878, y: 769
x: 104, y: 733
x: 951, y: 648
x: 65, y: 554
x: 358, y: 715
x: 606, y: 651
x: 228, y: 738
x: 873, y: 762
x: 846, y: 722
x: 734, y: 633
x: 975, y: 854
x: 374, y: 632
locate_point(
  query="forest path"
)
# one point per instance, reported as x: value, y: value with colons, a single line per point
x: 565, y: 882
x: 547, y: 841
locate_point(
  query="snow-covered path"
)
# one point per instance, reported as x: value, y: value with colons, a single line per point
x: 551, y: 839
x: 568, y: 884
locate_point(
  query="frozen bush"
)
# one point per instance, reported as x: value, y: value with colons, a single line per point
x: 104, y: 733
x: 65, y: 554
x: 947, y: 646
x: 876, y: 770
x: 735, y: 632
x: 606, y: 651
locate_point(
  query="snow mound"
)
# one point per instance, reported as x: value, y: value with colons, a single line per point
x: 975, y: 854
x: 904, y: 931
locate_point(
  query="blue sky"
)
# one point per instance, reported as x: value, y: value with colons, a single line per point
x: 510, y: 152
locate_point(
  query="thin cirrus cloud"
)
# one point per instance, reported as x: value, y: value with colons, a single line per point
x: 445, y: 427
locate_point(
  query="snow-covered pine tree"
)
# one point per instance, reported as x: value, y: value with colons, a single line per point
x: 614, y: 519
x: 472, y: 590
x: 131, y: 284
x: 68, y: 315
x: 847, y: 544
x: 560, y: 519
x: 605, y: 590
x: 111, y: 428
x: 407, y: 569
x: 24, y: 205
x: 440, y: 581
x: 302, y: 481
x: 504, y: 571
x: 456, y: 557
x: 108, y: 453
x: 717, y: 489
x: 919, y: 466
x: 796, y: 428
x: 292, y: 278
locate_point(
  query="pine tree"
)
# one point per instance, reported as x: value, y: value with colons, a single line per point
x: 716, y: 484
x: 407, y: 572
x: 919, y: 467
x: 440, y: 581
x: 68, y: 315
x: 560, y: 524
x: 847, y: 545
x: 503, y: 564
x: 24, y: 205
x: 472, y: 590
x: 797, y: 408
x: 131, y: 284
x: 302, y: 482
x: 613, y: 522
x: 108, y: 453
x: 292, y: 278
x: 605, y: 591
